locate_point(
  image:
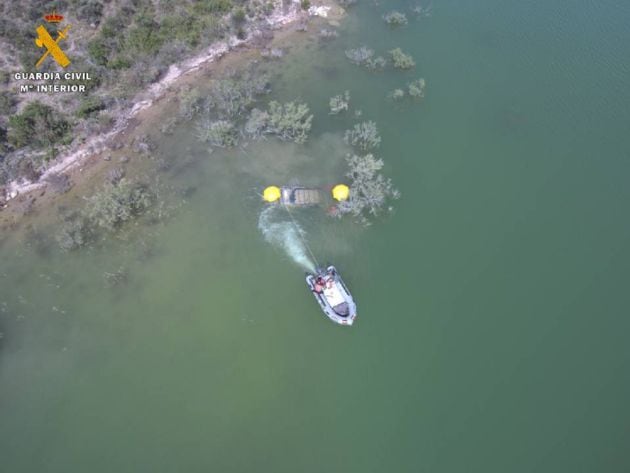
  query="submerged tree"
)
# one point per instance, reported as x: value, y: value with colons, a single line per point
x: 363, y: 136
x: 256, y: 124
x: 339, y: 103
x: 401, y: 60
x: 116, y: 204
x: 359, y: 56
x: 369, y: 189
x: 221, y: 133
x: 416, y: 88
x: 377, y: 63
x: 290, y: 121
x: 233, y: 96
x: 395, y: 18
x: 396, y: 94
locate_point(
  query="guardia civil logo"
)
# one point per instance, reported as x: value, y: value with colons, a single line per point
x: 46, y: 41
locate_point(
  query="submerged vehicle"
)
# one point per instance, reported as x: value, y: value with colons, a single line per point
x: 299, y: 196
x: 332, y: 295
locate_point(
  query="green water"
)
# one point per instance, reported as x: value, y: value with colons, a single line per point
x: 493, y: 302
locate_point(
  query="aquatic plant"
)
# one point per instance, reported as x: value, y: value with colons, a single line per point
x: 395, y: 18
x: 369, y: 189
x: 416, y: 88
x: 339, y: 103
x: 290, y: 121
x: 221, y: 133
x: 363, y: 136
x: 359, y: 56
x: 396, y: 94
x: 401, y: 60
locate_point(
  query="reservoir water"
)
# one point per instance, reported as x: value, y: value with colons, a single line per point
x: 493, y: 301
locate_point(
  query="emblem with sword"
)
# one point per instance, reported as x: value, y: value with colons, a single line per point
x: 44, y: 40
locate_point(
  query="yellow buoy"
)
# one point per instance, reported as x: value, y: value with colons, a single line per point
x: 271, y: 194
x: 341, y: 192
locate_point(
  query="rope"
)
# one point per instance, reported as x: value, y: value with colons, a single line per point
x: 299, y: 232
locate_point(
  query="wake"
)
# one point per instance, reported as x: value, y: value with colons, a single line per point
x: 277, y: 228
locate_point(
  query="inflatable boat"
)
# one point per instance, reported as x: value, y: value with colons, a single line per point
x: 332, y: 295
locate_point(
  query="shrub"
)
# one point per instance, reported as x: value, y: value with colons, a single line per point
x: 39, y: 126
x: 416, y: 88
x: 363, y: 136
x: 305, y: 4
x: 369, y: 190
x: 339, y: 103
x: 238, y: 15
x: 290, y: 121
x: 90, y: 11
x: 189, y: 103
x: 89, y: 106
x: 395, y: 18
x: 401, y: 60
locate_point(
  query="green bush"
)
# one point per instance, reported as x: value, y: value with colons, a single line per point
x: 238, y: 15
x: 212, y: 6
x: 89, y: 106
x: 39, y: 126
x: 305, y: 4
x: 7, y: 102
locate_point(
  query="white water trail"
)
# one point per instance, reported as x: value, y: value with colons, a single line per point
x: 278, y: 229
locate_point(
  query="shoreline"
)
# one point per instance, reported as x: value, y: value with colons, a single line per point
x: 79, y: 154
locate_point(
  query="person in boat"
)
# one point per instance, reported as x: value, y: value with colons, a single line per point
x: 319, y: 284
